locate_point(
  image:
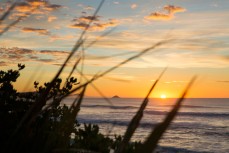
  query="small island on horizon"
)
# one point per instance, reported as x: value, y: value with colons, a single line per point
x: 115, y: 96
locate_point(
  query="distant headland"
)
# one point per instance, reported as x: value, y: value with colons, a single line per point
x: 115, y: 96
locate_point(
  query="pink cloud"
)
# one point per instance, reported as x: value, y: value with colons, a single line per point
x: 165, y: 16
x: 51, y: 18
x: 39, y: 31
x: 133, y: 6
x: 159, y: 16
x: 174, y: 9
x: 98, y: 25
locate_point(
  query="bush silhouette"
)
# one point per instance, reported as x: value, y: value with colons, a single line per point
x: 52, y: 129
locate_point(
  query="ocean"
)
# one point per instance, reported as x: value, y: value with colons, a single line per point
x: 202, y: 125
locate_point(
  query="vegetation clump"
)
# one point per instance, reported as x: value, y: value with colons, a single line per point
x: 36, y: 122
x: 55, y: 129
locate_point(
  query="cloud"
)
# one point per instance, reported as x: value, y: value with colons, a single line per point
x: 52, y: 7
x: 171, y: 10
x: 223, y: 81
x: 169, y: 82
x: 133, y: 6
x: 116, y: 2
x: 39, y: 31
x: 159, y: 16
x: 81, y: 25
x: 30, y: 7
x: 16, y: 54
x: 104, y: 25
x: 51, y: 18
x: 37, y: 2
x: 225, y: 57
x: 35, y: 7
x: 86, y: 7
x: 120, y: 77
x: 56, y: 37
x: 2, y: 63
x: 54, y: 53
x: 89, y: 8
x: 45, y: 4
x: 174, y: 9
x: 24, y: 7
x: 98, y: 25
x: 86, y: 18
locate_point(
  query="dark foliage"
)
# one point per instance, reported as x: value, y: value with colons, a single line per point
x: 55, y: 129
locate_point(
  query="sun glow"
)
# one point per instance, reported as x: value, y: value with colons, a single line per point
x: 163, y: 96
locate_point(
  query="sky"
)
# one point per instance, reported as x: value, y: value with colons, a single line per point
x: 196, y: 34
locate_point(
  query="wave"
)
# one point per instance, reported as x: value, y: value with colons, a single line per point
x: 136, y: 107
x: 176, y: 150
x: 154, y: 112
x: 149, y: 125
x: 194, y: 106
x: 191, y: 114
x: 212, y: 133
x: 109, y: 106
x: 113, y: 122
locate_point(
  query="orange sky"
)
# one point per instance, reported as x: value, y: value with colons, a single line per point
x: 198, y: 45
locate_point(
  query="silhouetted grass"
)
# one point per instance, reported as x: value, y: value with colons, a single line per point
x: 133, y: 125
x: 6, y: 14
x: 42, y: 128
x: 151, y: 142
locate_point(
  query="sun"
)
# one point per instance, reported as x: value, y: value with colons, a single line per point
x: 163, y: 96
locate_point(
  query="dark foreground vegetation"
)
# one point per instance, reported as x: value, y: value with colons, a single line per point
x: 37, y: 123
x: 55, y: 128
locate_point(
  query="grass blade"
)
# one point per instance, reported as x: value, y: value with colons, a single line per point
x: 77, y: 103
x: 118, y: 65
x: 137, y: 118
x: 35, y: 109
x: 97, y: 89
x: 151, y: 143
x: 4, y: 16
x: 73, y: 68
x: 16, y: 21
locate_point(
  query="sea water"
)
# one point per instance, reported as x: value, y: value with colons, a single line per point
x: 202, y: 125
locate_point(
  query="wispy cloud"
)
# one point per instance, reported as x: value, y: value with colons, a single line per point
x: 171, y: 10
x: 174, y: 9
x: 51, y: 18
x: 169, y: 82
x: 120, y: 77
x: 116, y: 2
x: 54, y: 53
x: 36, y: 7
x: 98, y: 25
x: 52, y: 7
x: 226, y: 57
x: 24, y: 7
x: 89, y: 8
x: 16, y: 54
x: 35, y: 30
x: 2, y: 63
x: 37, y: 2
x: 223, y: 81
x: 63, y: 37
x: 29, y: 5
x: 86, y: 18
x: 159, y: 16
x: 85, y: 7
x: 133, y: 6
